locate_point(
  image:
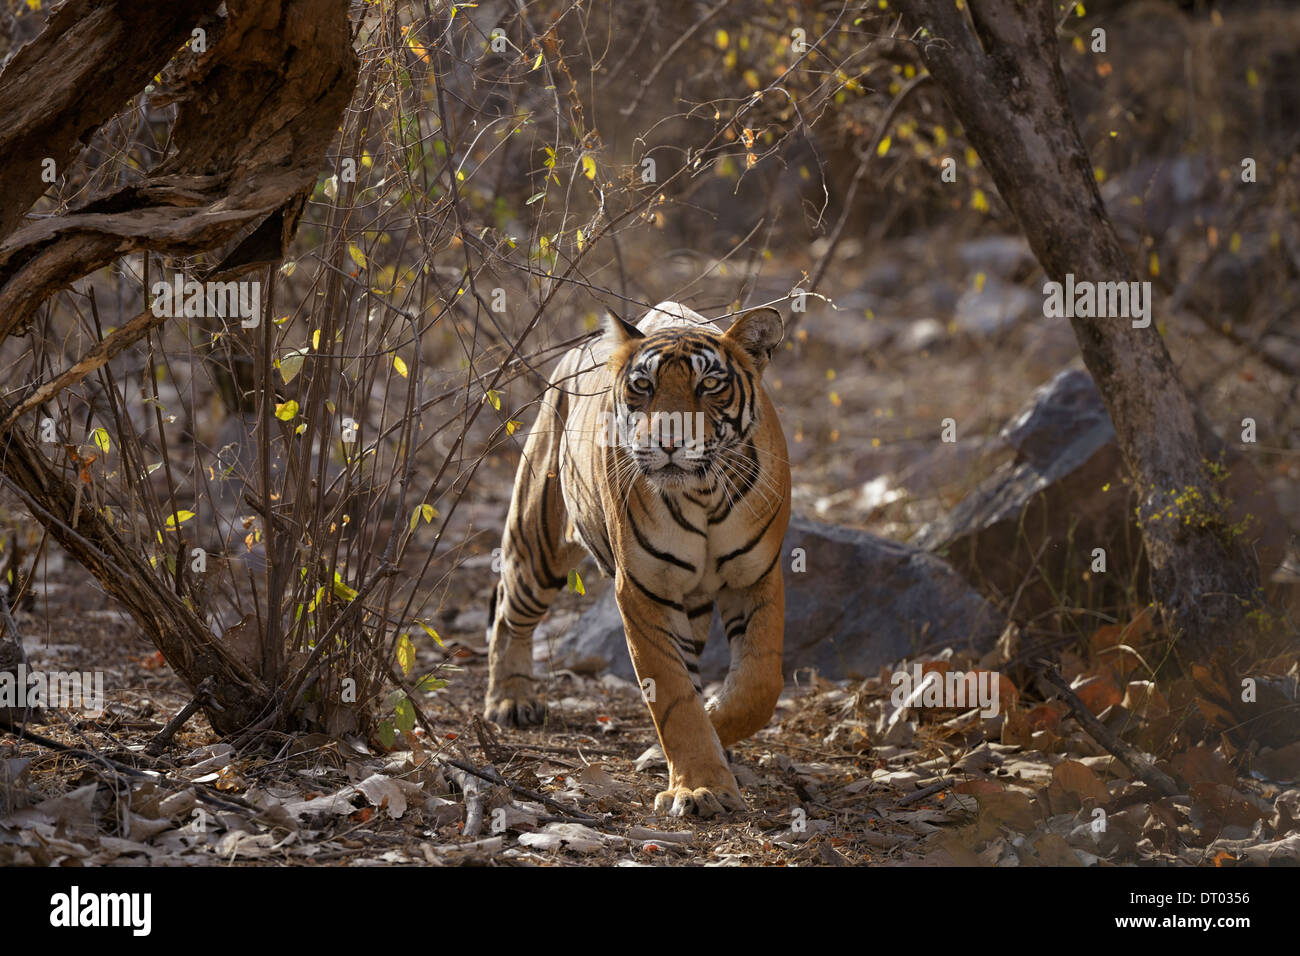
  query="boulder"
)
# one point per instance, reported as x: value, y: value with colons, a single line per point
x: 861, y: 602
x: 1030, y: 528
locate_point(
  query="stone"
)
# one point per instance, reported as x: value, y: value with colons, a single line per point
x: 1031, y: 527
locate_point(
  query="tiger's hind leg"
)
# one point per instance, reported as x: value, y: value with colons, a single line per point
x: 535, y: 558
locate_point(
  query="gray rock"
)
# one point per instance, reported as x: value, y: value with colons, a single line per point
x: 1030, y: 528
x: 863, y: 602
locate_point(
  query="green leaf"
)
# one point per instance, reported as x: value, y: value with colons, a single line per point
x: 405, y: 653
x: 100, y: 437
x: 179, y: 517
x: 428, y: 683
x: 575, y: 582
x: 404, y: 715
x: 387, y: 736
x: 432, y: 633
x: 286, y: 410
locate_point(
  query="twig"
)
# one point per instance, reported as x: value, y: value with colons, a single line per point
x: 924, y: 792
x: 471, y: 786
x: 491, y: 776
x: 232, y: 804
x: 689, y: 32
x: 202, y: 697
x: 1137, y: 762
x: 864, y: 163
x: 96, y: 358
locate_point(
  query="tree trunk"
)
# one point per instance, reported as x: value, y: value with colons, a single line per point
x: 998, y: 66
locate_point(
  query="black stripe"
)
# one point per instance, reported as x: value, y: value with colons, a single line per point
x: 702, y: 609
x: 680, y: 519
x: 749, y: 545
x: 652, y: 596
x: 654, y: 552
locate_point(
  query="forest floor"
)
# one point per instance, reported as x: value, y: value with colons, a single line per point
x: 839, y: 777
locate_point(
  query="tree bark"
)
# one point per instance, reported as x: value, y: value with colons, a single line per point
x: 91, y: 58
x: 998, y: 66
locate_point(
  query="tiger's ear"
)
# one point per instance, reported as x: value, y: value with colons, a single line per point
x: 758, y: 332
x: 618, y: 331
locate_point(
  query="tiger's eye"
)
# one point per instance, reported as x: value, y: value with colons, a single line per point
x: 709, y: 382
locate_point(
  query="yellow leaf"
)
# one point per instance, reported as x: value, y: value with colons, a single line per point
x: 431, y: 632
x: 400, y: 366
x: 721, y: 39
x: 494, y: 397
x: 537, y: 63
x: 341, y: 590
x: 589, y: 166
x: 405, y: 654
x: 415, y: 519
x: 357, y: 255
x: 883, y: 148
x: 582, y: 240
x: 429, y: 512
x: 100, y: 437
x: 315, y: 340
x: 979, y: 201
x: 286, y: 410
x: 575, y: 582
x: 512, y: 425
x: 179, y: 517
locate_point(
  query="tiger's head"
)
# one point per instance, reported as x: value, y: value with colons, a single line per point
x: 684, y: 397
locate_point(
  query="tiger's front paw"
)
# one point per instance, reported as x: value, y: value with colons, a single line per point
x: 686, y: 801
x: 514, y: 704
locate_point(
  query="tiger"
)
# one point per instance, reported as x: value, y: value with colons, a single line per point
x: 681, y: 519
